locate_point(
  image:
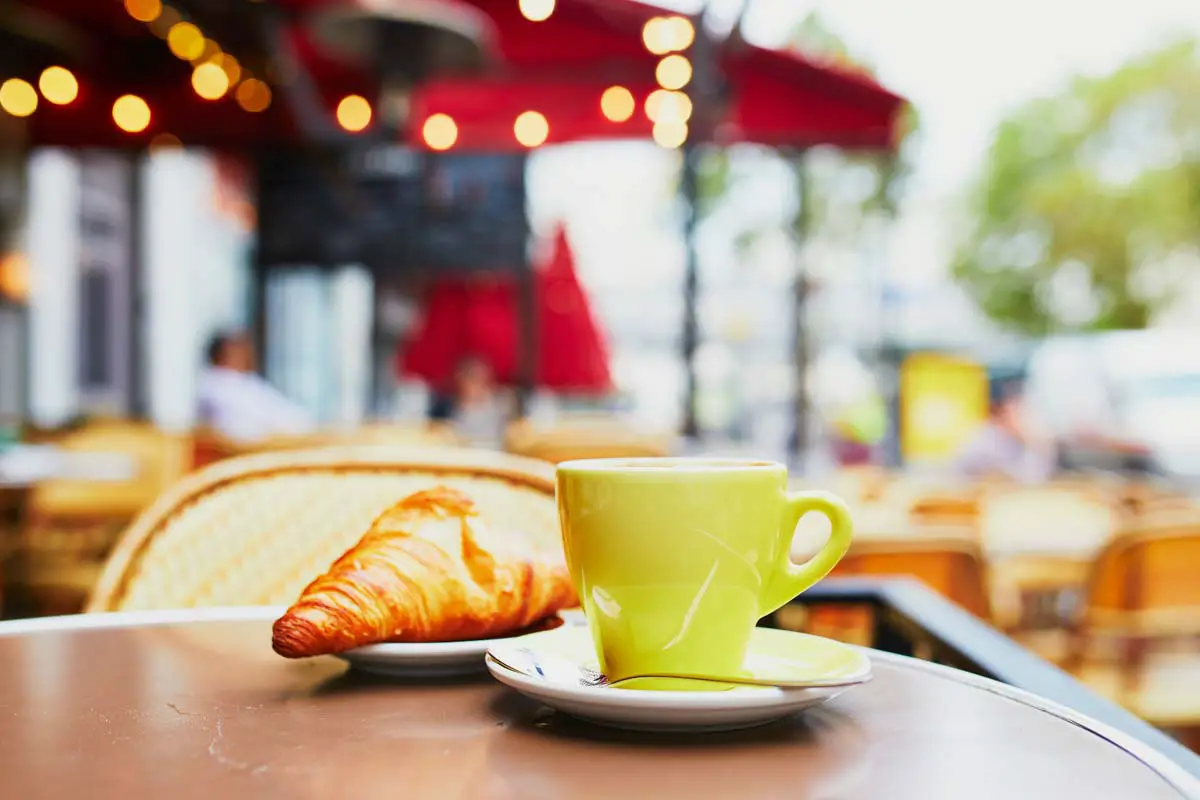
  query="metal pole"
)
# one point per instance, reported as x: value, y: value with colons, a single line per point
x: 137, y: 284
x: 691, y: 288
x: 527, y: 340
x: 799, y: 442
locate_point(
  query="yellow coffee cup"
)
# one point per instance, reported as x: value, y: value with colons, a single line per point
x: 676, y: 559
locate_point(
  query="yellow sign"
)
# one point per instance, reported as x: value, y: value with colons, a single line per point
x: 943, y: 400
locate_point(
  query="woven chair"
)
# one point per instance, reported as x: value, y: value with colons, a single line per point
x: 254, y: 530
x: 70, y: 526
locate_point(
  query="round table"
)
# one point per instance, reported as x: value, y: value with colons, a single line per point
x: 196, y: 705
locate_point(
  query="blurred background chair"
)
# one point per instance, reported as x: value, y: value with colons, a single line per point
x: 1134, y: 636
x: 257, y: 529
x: 70, y: 524
x: 590, y: 437
x: 210, y: 446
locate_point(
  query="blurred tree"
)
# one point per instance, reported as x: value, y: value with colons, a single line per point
x: 1087, y: 216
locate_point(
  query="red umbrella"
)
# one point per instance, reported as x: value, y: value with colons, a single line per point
x: 478, y: 317
x: 587, y: 45
x: 572, y: 351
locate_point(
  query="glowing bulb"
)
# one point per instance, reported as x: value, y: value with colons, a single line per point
x: 230, y: 66
x: 674, y: 72
x: 440, y: 132
x: 165, y: 141
x: 617, y: 103
x: 162, y: 25
x: 670, y: 134
x: 185, y: 40
x: 209, y: 51
x: 18, y: 98
x: 131, y: 113
x: 662, y: 35
x: 58, y: 85
x: 664, y: 106
x: 253, y: 95
x: 210, y: 81
x: 144, y: 10
x: 531, y: 129
x: 354, y: 113
x: 537, y: 10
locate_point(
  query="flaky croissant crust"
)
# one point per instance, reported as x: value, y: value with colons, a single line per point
x: 394, y: 585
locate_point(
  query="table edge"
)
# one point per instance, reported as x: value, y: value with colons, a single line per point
x: 1176, y: 776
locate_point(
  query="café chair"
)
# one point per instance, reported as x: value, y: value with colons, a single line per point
x: 255, y: 530
x: 593, y: 438
x: 1134, y: 634
x: 210, y: 446
x: 70, y: 525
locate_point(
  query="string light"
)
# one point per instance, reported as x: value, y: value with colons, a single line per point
x: 230, y: 66
x: 536, y: 10
x: 674, y: 72
x: 670, y: 134
x: 440, y: 132
x: 617, y: 103
x: 131, y: 113
x: 354, y: 113
x: 531, y: 129
x: 166, y: 20
x: 664, y: 106
x: 253, y: 95
x: 18, y: 98
x: 209, y: 51
x: 662, y: 35
x: 210, y: 81
x: 58, y: 85
x: 144, y: 10
x: 185, y: 40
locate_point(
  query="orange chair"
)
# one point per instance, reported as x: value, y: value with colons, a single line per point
x: 1142, y: 589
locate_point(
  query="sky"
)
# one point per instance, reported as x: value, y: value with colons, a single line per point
x: 964, y: 63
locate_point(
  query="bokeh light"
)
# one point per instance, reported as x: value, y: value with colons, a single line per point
x: 665, y: 106
x: 617, y: 103
x: 440, y: 132
x: 131, y: 113
x: 253, y: 95
x: 230, y: 66
x: 662, y: 35
x: 674, y: 72
x: 144, y: 10
x: 354, y: 113
x: 210, y: 81
x: 670, y: 134
x: 537, y: 10
x: 165, y: 141
x: 185, y: 40
x: 531, y: 129
x: 58, y: 85
x: 18, y: 97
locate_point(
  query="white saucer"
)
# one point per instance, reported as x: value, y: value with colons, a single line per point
x: 431, y: 659
x: 647, y: 710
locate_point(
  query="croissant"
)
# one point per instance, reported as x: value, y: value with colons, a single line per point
x: 428, y: 570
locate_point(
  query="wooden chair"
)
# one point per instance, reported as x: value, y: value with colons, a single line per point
x: 254, y: 530
x: 1143, y: 590
x: 210, y: 446
x: 595, y: 438
x: 951, y: 565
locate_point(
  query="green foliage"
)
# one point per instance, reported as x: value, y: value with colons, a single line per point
x: 1087, y: 216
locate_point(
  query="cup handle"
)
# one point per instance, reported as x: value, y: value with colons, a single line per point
x: 791, y: 579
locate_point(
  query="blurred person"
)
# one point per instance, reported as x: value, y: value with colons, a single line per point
x: 239, y: 404
x: 472, y: 406
x: 1010, y: 444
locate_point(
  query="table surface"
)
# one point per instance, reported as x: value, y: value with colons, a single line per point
x: 197, y: 706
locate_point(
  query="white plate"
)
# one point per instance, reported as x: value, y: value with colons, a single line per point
x: 430, y: 659
x: 646, y: 710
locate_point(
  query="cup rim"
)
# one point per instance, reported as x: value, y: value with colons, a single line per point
x: 665, y: 464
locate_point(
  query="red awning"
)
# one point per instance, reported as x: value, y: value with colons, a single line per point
x: 586, y: 45
x: 479, y: 317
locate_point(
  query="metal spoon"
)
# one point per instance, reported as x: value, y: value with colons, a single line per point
x: 558, y: 669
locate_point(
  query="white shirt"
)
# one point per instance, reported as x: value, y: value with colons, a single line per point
x: 244, y: 407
